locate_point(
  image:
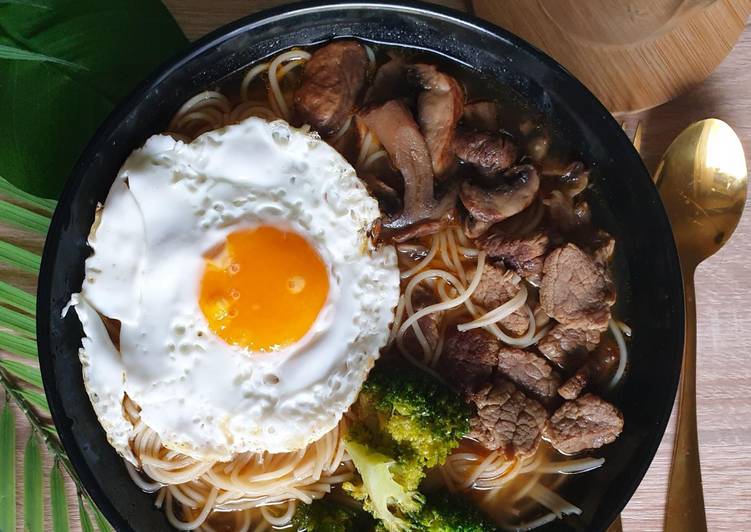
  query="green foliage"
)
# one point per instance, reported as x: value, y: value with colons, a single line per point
x: 64, y: 64
x: 7, y: 470
x: 58, y: 501
x: 327, y: 516
x: 33, y: 511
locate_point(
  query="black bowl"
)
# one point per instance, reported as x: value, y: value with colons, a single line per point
x: 624, y: 202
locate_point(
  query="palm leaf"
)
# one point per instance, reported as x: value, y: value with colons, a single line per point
x: 35, y: 398
x: 86, y: 525
x: 33, y: 510
x: 17, y: 321
x: 22, y: 371
x: 17, y: 298
x: 18, y: 345
x: 19, y: 257
x: 58, y: 501
x: 7, y: 470
x: 10, y: 190
x: 25, y: 219
x: 101, y: 522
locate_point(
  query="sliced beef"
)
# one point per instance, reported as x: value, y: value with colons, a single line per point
x: 496, y: 288
x: 506, y: 419
x: 481, y: 115
x: 523, y: 255
x: 529, y: 371
x: 429, y: 325
x: 468, y: 359
x: 511, y: 193
x: 388, y: 82
x: 489, y: 153
x: 331, y: 83
x: 575, y: 290
x: 567, y: 346
x: 598, y: 368
x: 586, y: 423
x: 400, y: 135
x: 439, y: 108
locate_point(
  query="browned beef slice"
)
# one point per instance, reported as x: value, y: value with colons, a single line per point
x: 489, y: 153
x: 331, y: 82
x: 506, y: 419
x: 530, y: 371
x: 389, y: 82
x: 565, y: 346
x: 439, y: 108
x: 481, y: 115
x: 429, y: 325
x: 598, y: 368
x: 468, y: 358
x: 495, y: 289
x: 575, y: 290
x: 587, y: 423
x: 523, y: 255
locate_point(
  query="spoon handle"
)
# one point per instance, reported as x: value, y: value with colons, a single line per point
x: 685, y: 506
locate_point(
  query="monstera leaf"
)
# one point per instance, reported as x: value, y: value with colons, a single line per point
x: 64, y: 64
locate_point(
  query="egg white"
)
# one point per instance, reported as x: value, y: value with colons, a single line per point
x: 170, y: 204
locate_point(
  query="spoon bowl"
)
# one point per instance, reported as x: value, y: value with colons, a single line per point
x: 703, y: 180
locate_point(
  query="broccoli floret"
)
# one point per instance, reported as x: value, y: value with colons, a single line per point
x: 381, y: 495
x: 405, y: 421
x: 407, y: 414
x: 326, y: 516
x: 448, y: 513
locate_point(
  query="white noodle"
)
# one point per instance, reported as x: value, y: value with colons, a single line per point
x: 581, y: 465
x: 622, y: 356
x: 552, y: 501
x: 498, y: 313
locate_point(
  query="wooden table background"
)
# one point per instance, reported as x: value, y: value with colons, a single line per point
x: 722, y: 289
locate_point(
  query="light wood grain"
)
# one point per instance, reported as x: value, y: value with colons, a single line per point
x: 632, y: 55
x: 722, y: 286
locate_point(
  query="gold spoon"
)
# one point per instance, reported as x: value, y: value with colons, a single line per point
x: 702, y: 179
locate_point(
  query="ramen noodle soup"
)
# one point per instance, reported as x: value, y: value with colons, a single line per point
x: 353, y: 288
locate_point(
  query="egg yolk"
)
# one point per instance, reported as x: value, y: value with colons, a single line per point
x: 263, y: 289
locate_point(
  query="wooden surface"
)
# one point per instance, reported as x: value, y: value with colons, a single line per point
x: 722, y: 286
x: 632, y: 55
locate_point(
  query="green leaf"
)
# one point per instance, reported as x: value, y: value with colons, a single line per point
x: 33, y: 511
x: 49, y: 111
x: 7, y: 470
x: 18, y: 345
x: 35, y: 398
x: 17, y: 298
x: 22, y: 371
x: 17, y: 321
x: 86, y: 525
x: 101, y: 522
x: 58, y: 501
x: 18, y: 257
x: 8, y: 190
x: 20, y: 217
x: 19, y: 54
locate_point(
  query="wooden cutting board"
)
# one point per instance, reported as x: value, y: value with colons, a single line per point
x: 633, y: 55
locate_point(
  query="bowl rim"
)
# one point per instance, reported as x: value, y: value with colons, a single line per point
x: 214, y: 38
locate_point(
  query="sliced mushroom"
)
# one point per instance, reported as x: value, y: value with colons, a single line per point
x: 439, y: 108
x: 400, y: 136
x: 515, y: 191
x: 481, y: 115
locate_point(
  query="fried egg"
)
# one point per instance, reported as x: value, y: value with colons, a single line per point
x: 251, y: 302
